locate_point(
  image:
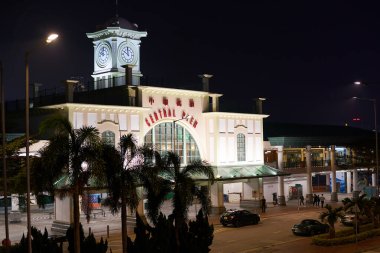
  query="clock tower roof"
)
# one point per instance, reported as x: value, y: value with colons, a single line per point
x: 118, y: 22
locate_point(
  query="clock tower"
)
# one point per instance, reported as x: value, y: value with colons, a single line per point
x: 116, y: 44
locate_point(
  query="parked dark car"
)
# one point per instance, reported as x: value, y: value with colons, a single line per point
x: 239, y: 218
x: 310, y: 227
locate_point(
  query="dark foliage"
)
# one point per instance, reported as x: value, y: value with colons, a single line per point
x: 87, y: 244
x: 195, y: 237
x: 41, y: 243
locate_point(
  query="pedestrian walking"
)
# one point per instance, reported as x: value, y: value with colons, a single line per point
x: 314, y: 199
x: 322, y: 199
x: 263, y: 204
x: 318, y: 200
x: 302, y: 200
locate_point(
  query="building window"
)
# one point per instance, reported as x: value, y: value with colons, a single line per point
x: 108, y: 138
x: 161, y: 137
x: 240, y: 147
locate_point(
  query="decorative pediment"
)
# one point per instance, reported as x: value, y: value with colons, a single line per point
x: 116, y: 32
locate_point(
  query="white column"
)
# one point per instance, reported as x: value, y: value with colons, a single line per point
x: 374, y: 178
x: 355, y: 180
x: 15, y: 202
x: 309, y: 191
x: 63, y: 209
x: 334, y: 194
x: 328, y: 180
x: 217, y: 201
x: 281, y: 195
x: 349, y: 181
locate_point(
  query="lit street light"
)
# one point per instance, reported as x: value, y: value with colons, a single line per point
x: 50, y: 38
x: 373, y: 100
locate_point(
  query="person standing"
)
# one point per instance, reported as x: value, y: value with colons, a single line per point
x: 322, y: 199
x: 263, y: 204
x: 302, y: 200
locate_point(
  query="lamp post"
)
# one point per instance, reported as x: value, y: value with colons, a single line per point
x: 373, y: 100
x: 50, y: 38
x: 5, y: 194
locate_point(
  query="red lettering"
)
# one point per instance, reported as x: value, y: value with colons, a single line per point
x: 164, y: 110
x: 169, y: 112
x: 179, y: 102
x: 151, y: 118
x: 174, y: 113
x: 165, y: 101
x: 195, y: 124
x: 155, y: 116
x: 159, y: 111
x: 191, y: 120
x: 147, y: 122
x: 183, y: 114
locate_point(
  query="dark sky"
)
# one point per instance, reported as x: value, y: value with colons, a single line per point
x: 301, y: 55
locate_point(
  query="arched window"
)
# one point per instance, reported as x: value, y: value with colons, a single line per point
x: 161, y: 136
x: 108, y: 137
x: 240, y: 147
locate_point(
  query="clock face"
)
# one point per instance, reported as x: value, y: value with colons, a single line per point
x: 127, y: 54
x: 103, y: 55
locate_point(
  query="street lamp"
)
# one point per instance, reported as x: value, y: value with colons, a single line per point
x: 49, y: 39
x: 5, y: 194
x: 373, y: 100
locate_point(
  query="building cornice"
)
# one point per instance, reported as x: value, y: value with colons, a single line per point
x: 175, y: 92
x: 100, y: 108
x: 234, y: 115
x: 116, y: 32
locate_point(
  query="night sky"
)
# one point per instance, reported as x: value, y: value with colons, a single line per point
x: 301, y: 55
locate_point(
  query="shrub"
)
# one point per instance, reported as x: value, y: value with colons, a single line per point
x: 41, y: 243
x: 346, y: 236
x: 87, y: 244
x: 195, y: 237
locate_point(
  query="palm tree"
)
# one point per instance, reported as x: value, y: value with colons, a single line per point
x: 376, y: 211
x: 363, y: 205
x: 184, y: 186
x: 122, y: 174
x: 68, y: 148
x: 331, y: 216
x: 155, y: 186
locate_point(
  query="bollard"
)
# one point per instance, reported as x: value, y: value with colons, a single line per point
x: 108, y: 231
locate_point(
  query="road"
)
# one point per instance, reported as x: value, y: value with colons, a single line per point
x: 270, y: 232
x: 273, y: 234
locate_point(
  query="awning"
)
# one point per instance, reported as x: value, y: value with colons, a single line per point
x: 227, y: 173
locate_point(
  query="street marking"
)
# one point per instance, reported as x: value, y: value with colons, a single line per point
x: 268, y: 246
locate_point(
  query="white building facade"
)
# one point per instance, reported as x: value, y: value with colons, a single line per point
x: 185, y: 121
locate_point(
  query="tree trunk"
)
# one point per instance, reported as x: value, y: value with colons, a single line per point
x: 332, y: 231
x: 177, y: 229
x: 124, y: 235
x: 76, y: 219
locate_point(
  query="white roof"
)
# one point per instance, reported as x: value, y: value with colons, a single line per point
x: 33, y: 148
